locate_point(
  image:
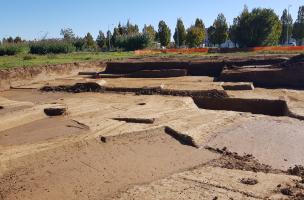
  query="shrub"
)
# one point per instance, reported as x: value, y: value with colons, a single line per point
x: 51, y: 46
x: 133, y: 42
x: 29, y: 57
x: 10, y: 49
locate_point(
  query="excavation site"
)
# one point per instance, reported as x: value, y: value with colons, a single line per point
x: 150, y: 127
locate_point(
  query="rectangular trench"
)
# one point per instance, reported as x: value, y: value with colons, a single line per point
x: 255, y: 106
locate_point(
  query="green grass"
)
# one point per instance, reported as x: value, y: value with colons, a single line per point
x: 28, y: 60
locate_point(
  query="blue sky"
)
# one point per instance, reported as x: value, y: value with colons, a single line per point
x: 34, y: 18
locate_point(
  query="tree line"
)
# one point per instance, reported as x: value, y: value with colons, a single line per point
x: 258, y: 27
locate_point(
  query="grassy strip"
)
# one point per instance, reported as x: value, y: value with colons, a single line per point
x: 27, y: 60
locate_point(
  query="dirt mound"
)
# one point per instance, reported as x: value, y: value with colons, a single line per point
x: 77, y: 88
x: 231, y: 160
x: 249, y: 181
x: 94, y: 87
x: 293, y: 191
x: 297, y: 170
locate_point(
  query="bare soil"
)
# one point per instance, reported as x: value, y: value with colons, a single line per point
x: 125, y: 138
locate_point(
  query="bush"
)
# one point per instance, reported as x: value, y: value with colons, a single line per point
x: 133, y: 42
x: 29, y: 57
x: 51, y: 47
x: 10, y: 49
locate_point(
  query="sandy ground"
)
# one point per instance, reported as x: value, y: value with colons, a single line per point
x: 90, y: 153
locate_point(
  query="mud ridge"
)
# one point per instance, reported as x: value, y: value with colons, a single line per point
x: 94, y: 87
x: 180, y: 137
x: 247, y: 162
x: 136, y: 120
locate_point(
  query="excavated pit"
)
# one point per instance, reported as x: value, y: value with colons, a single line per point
x: 96, y: 158
x: 267, y: 72
x: 255, y: 106
x: 195, y: 68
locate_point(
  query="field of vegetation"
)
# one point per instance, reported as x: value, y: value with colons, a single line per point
x: 26, y: 60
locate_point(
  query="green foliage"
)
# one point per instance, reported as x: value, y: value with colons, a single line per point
x: 28, y: 57
x: 79, y: 44
x: 287, y: 25
x: 67, y: 34
x: 164, y: 34
x: 261, y: 27
x: 150, y: 31
x: 133, y: 42
x: 298, y: 27
x: 195, y: 36
x: 115, y: 36
x: 17, y: 39
x: 218, y: 32
x: 101, y: 40
x: 180, y: 33
x: 89, y: 42
x: 11, y: 40
x: 19, y: 61
x: 120, y: 34
x: 11, y: 49
x: 131, y: 29
x: 211, y: 35
x: 51, y: 46
x: 199, y: 23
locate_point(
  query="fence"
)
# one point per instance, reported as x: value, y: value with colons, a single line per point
x: 223, y: 50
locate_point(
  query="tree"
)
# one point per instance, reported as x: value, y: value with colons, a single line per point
x: 109, y: 39
x: 17, y: 39
x: 199, y: 23
x: 195, y: 36
x: 132, y: 29
x: 232, y: 34
x: 89, y: 41
x: 298, y: 27
x: 211, y: 35
x: 116, y: 34
x: 150, y: 31
x: 101, y: 40
x: 180, y: 33
x: 67, y: 34
x: 218, y: 32
x: 79, y: 43
x: 10, y: 39
x: 133, y: 41
x: 260, y: 27
x: 164, y: 33
x: 287, y: 25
